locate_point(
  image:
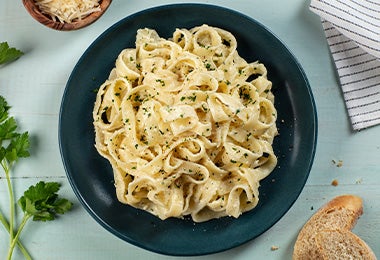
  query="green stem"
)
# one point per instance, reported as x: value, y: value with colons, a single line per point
x: 4, y: 222
x: 6, y: 168
x: 16, y: 238
x: 10, y: 226
x: 19, y: 244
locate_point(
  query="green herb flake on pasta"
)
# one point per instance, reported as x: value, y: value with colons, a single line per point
x: 201, y: 123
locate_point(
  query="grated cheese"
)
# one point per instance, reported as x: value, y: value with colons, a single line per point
x: 68, y: 11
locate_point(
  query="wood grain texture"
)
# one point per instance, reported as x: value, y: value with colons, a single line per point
x: 33, y: 10
x: 34, y: 85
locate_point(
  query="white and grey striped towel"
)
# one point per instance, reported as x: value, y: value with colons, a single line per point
x: 352, y: 29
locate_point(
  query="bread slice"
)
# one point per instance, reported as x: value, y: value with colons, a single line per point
x: 342, y: 244
x: 341, y: 212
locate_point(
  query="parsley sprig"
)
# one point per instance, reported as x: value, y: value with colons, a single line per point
x: 41, y: 201
x: 8, y: 54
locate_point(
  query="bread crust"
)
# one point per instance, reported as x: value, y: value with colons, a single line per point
x: 342, y: 212
x: 351, y: 202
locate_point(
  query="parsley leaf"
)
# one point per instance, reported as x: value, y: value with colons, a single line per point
x: 42, y: 203
x: 7, y: 129
x: 18, y: 147
x: 8, y: 54
x: 3, y: 109
x: 18, y: 143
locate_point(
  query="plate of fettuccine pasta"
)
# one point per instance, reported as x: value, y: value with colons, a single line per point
x: 187, y: 129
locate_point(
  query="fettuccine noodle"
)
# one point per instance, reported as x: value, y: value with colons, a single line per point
x: 187, y: 125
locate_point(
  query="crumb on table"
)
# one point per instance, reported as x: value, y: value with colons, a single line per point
x: 274, y: 248
x: 338, y: 163
x: 359, y: 181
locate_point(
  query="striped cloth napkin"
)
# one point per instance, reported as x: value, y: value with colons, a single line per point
x: 352, y: 29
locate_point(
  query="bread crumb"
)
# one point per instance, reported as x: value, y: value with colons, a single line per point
x: 274, y: 248
x: 334, y: 182
x: 359, y: 181
x: 338, y: 163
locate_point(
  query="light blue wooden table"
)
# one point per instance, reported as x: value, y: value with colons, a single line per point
x: 34, y: 85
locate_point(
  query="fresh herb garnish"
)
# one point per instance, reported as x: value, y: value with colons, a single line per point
x: 39, y: 202
x: 8, y: 54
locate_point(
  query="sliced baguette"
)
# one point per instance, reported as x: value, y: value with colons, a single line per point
x: 341, y: 212
x: 342, y: 244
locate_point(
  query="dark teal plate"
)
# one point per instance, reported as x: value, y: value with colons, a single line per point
x: 91, y: 176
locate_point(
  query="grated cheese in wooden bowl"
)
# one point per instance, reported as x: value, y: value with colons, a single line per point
x: 67, y: 11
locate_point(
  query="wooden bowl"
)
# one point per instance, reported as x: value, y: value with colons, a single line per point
x: 34, y: 11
